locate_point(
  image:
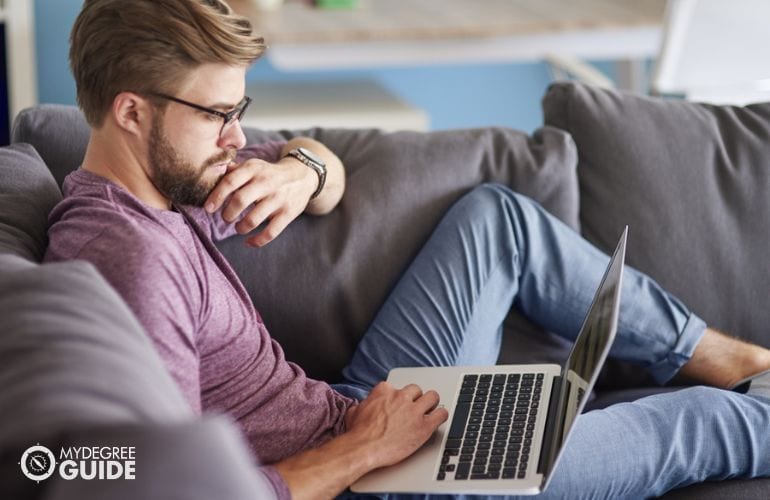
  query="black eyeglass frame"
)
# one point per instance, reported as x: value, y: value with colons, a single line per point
x: 229, y: 117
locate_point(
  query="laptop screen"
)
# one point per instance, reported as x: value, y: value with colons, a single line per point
x: 590, y: 350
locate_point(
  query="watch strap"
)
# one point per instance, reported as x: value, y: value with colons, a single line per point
x: 318, y: 166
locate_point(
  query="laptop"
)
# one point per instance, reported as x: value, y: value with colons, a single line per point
x: 508, y: 424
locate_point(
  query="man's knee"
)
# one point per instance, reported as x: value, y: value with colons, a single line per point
x: 497, y: 198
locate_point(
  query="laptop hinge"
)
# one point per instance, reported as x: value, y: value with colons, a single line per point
x: 553, y: 429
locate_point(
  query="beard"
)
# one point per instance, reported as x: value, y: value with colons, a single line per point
x: 175, y: 176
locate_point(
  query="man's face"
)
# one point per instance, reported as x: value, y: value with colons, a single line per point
x: 187, y: 154
x: 181, y: 181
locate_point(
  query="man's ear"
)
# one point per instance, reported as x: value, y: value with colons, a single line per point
x: 132, y: 113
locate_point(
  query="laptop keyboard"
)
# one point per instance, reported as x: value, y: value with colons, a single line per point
x: 492, y: 427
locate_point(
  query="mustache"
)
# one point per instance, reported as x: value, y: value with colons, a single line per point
x: 227, y: 155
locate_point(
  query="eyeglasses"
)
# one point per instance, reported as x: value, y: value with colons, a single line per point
x: 228, y: 119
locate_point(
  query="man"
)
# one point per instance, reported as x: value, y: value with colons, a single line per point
x: 161, y: 82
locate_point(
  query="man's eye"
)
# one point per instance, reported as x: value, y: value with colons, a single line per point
x: 212, y: 118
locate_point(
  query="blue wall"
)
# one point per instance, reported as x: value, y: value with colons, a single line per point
x: 453, y: 96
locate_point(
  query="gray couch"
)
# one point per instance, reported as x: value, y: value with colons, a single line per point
x: 690, y: 180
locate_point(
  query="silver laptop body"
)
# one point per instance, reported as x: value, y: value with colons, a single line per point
x: 523, y: 447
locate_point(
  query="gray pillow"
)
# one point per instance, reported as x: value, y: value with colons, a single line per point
x: 72, y: 354
x: 27, y: 193
x: 692, y: 182
x: 320, y: 284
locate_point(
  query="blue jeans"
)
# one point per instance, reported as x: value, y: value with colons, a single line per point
x: 495, y: 250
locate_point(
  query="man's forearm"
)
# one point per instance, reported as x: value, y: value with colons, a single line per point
x: 385, y: 428
x: 335, y: 175
x: 326, y: 471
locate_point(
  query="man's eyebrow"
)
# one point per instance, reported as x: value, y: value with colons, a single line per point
x: 223, y: 106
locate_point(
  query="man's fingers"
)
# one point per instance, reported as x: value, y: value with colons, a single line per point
x: 413, y: 391
x: 241, y: 200
x: 271, y: 231
x: 428, y: 401
x: 236, y: 177
x: 228, y: 184
x: 437, y: 417
x: 258, y: 214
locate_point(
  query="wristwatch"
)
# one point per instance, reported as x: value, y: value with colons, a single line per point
x: 313, y: 161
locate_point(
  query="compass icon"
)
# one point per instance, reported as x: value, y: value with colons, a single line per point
x: 37, y: 463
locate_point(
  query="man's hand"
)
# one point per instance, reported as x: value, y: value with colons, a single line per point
x: 394, y: 423
x: 384, y: 429
x: 278, y: 191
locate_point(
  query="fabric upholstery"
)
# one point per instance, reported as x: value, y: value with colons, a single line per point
x: 27, y: 193
x: 59, y: 134
x: 62, y: 323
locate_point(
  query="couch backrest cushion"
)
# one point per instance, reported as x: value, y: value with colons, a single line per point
x: 693, y: 183
x: 27, y: 193
x: 59, y: 133
x: 319, y: 285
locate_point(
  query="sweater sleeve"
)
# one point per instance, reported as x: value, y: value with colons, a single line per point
x: 154, y: 281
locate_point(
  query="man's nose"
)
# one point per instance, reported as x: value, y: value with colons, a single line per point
x: 233, y: 137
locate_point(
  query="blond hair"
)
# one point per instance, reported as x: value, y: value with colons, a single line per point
x: 146, y: 46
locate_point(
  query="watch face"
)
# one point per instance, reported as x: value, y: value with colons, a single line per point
x: 311, y: 156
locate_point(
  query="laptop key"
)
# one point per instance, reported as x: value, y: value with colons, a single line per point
x: 458, y: 420
x: 441, y: 476
x: 453, y: 443
x: 509, y: 473
x: 463, y: 469
x: 511, y: 462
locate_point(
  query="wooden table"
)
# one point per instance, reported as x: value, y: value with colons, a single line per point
x: 419, y: 32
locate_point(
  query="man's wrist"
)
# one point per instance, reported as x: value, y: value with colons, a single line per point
x: 327, y: 470
x: 313, y: 162
x: 308, y: 176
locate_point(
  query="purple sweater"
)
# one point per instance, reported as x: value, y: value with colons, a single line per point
x: 199, y: 316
